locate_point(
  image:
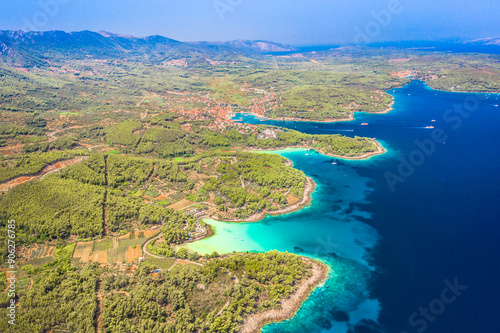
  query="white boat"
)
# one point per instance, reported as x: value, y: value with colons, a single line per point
x: 429, y: 126
x: 433, y: 120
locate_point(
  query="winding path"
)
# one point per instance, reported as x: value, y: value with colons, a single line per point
x: 145, y: 251
x: 145, y: 245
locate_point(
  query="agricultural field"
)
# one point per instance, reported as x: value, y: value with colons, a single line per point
x: 118, y: 250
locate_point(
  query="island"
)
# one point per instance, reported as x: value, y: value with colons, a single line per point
x: 114, y: 154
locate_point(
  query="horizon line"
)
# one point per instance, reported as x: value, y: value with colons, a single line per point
x: 453, y: 40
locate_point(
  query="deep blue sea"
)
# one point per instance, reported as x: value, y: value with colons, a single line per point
x: 411, y: 236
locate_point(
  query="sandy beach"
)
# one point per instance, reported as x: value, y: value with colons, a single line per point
x: 289, y: 307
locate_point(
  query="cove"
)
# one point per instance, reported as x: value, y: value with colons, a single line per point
x: 390, y: 250
x: 330, y: 229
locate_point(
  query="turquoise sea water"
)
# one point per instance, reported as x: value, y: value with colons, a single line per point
x: 330, y: 230
x: 391, y: 244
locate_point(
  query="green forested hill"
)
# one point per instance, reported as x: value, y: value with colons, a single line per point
x: 183, y: 300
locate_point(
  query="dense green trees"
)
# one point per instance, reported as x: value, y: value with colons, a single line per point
x: 128, y: 169
x: 91, y: 171
x: 62, y: 143
x: 187, y: 299
x: 176, y: 227
x: 165, y: 119
x: 169, y: 171
x: 12, y: 131
x: 214, y: 140
x: 54, y: 208
x: 253, y: 182
x: 166, y: 142
x: 60, y: 296
x: 331, y: 144
x: 122, y: 133
x: 94, y: 131
x: 295, y: 77
x: 328, y: 102
x: 344, y: 146
x: 161, y: 249
x: 31, y: 164
x: 467, y: 79
x: 21, y: 133
x: 71, y: 202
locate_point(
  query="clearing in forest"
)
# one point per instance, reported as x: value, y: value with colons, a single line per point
x: 116, y: 250
x: 181, y: 204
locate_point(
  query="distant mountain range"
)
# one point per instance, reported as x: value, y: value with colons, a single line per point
x: 255, y: 45
x: 27, y: 49
x: 485, y: 41
x: 35, y: 48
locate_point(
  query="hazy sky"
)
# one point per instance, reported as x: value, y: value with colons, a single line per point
x: 298, y: 22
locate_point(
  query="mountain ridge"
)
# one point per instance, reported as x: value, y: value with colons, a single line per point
x: 27, y: 48
x: 485, y: 41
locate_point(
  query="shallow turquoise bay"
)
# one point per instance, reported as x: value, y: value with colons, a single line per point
x: 329, y: 229
x: 390, y: 249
